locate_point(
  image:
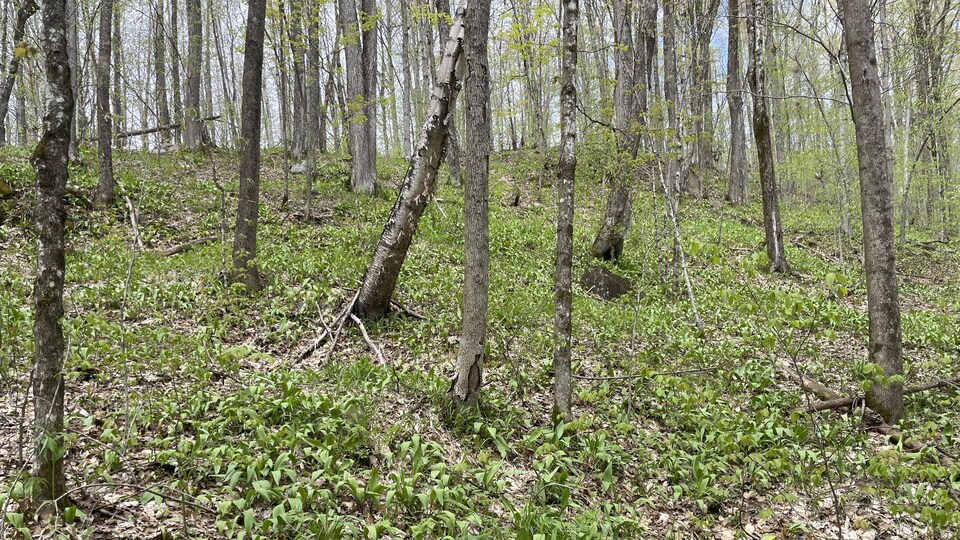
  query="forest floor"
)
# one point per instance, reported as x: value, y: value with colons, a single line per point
x: 191, y: 415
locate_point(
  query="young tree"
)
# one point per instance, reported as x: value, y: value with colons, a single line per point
x: 467, y: 381
x: 25, y: 10
x: 737, y: 187
x: 876, y: 201
x: 373, y: 299
x: 248, y: 205
x: 105, y: 189
x: 49, y: 161
x: 160, y: 66
x: 191, y: 105
x: 756, y: 72
x: 563, y: 278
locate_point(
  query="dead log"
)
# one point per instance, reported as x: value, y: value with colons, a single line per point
x: 839, y: 403
x: 166, y: 127
x: 187, y: 246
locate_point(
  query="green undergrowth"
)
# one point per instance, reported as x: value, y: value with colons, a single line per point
x: 187, y: 397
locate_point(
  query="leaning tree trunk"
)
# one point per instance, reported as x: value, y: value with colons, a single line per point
x: 476, y: 282
x: 737, y: 191
x: 105, y: 189
x: 563, y: 278
x: 373, y: 299
x: 453, y: 142
x: 191, y: 105
x: 26, y: 10
x: 248, y: 206
x: 773, y: 231
x: 49, y: 161
x: 876, y: 200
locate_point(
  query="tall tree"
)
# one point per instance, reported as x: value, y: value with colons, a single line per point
x: 876, y: 201
x: 49, y: 161
x: 608, y: 244
x: 73, y: 56
x: 191, y: 102
x: 160, y: 65
x: 300, y: 124
x: 773, y: 231
x: 737, y: 185
x: 476, y: 281
x: 248, y: 205
x: 105, y: 188
x: 360, y: 48
x: 25, y: 10
x: 376, y: 290
x: 563, y: 273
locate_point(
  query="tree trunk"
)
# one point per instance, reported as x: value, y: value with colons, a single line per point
x: 175, y: 64
x: 73, y: 45
x: 248, y: 205
x: 453, y: 142
x: 373, y: 300
x: 295, y: 31
x: 26, y: 10
x: 876, y: 200
x: 773, y: 232
x: 608, y: 244
x: 563, y: 273
x: 119, y: 112
x: 49, y: 161
x: 737, y: 188
x: 366, y: 178
x: 313, y: 97
x: 105, y: 189
x: 160, y: 65
x: 191, y: 105
x: 469, y: 375
x: 361, y: 81
x: 407, y: 79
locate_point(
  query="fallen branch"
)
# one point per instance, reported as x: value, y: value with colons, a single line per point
x: 873, y: 420
x: 838, y: 403
x: 404, y: 309
x: 326, y: 334
x: 166, y: 127
x: 187, y: 246
x: 366, y: 337
x: 133, y: 221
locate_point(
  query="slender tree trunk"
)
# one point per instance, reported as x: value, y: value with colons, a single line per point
x: 366, y: 179
x: 248, y: 206
x: 407, y: 79
x: 737, y: 187
x: 469, y: 376
x: 191, y: 105
x: 49, y: 161
x: 175, y: 65
x: 876, y: 200
x: 295, y: 31
x: 105, y: 189
x: 773, y: 231
x: 563, y: 273
x: 312, y: 16
x: 118, y: 109
x: 453, y: 152
x: 160, y: 65
x: 73, y: 46
x: 25, y: 10
x: 373, y: 299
